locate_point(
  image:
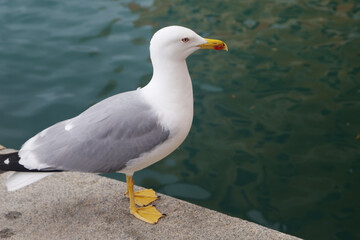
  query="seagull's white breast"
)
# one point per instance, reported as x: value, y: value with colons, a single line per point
x: 174, y: 108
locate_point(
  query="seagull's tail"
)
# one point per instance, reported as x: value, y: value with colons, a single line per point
x: 9, y: 161
x: 17, y: 180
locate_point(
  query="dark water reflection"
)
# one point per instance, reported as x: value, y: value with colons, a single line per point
x: 274, y: 138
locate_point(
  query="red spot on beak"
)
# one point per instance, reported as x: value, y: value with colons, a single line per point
x: 219, y: 47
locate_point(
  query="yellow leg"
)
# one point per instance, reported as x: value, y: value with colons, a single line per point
x: 143, y: 197
x: 147, y: 214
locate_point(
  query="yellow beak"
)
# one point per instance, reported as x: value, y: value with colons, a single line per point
x: 213, y: 44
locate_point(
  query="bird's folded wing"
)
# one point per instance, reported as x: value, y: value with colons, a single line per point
x: 101, y: 139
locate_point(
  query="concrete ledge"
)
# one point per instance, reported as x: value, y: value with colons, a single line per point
x: 88, y: 206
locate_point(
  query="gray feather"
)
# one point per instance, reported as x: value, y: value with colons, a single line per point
x: 104, y: 137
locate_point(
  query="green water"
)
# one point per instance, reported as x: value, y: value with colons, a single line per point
x: 274, y: 138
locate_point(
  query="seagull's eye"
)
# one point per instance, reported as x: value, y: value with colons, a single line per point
x: 185, y: 40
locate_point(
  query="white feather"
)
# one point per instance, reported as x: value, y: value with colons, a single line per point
x: 19, y: 180
x: 69, y: 126
x: 27, y: 158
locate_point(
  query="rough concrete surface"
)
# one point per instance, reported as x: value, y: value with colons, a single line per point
x: 88, y: 206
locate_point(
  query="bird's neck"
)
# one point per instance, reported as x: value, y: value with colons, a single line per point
x: 170, y: 94
x: 171, y: 82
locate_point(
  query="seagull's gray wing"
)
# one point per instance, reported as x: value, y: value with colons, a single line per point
x: 102, y: 139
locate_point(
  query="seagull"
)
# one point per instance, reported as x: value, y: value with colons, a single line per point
x: 125, y: 132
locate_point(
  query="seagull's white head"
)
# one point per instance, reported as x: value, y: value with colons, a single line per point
x: 177, y: 43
